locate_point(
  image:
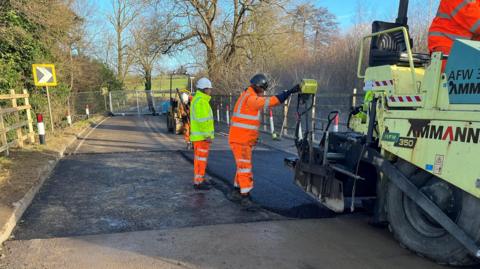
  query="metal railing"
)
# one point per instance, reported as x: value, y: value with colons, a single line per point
x: 285, y: 116
x: 407, y: 44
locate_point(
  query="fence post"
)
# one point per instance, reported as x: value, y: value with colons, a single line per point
x: 230, y: 106
x: 69, y: 113
x: 105, y: 100
x: 314, y: 117
x: 138, y: 105
x: 87, y: 111
x: 284, y: 130
x: 31, y: 134
x: 17, y: 117
x: 263, y: 120
x: 336, y: 122
x: 3, y: 133
x: 227, y: 114
x: 221, y: 106
x: 153, y: 102
x: 110, y: 101
x: 41, y: 129
x: 272, y: 125
x: 354, y: 98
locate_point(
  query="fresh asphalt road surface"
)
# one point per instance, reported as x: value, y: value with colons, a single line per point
x: 126, y: 176
x: 123, y: 199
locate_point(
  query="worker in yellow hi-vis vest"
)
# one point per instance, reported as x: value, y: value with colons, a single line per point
x: 202, y: 131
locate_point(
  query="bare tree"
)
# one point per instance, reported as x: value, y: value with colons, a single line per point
x: 124, y: 12
x: 220, y: 36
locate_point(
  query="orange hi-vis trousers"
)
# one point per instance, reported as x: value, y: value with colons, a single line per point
x: 243, y: 159
x: 186, y: 132
x: 200, y: 150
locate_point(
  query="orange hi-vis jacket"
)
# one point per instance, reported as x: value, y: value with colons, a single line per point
x: 456, y: 19
x: 246, y: 116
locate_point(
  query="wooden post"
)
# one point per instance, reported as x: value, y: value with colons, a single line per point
x: 3, y: 134
x: 31, y: 134
x: 17, y: 117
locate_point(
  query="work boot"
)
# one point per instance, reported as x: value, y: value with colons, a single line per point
x: 209, y: 181
x: 234, y: 195
x: 248, y: 204
x: 204, y: 186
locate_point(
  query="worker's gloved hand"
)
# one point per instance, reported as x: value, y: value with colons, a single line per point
x: 285, y: 94
x: 295, y: 89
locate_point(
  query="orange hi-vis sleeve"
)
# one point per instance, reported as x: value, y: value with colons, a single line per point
x: 455, y: 19
x: 246, y: 116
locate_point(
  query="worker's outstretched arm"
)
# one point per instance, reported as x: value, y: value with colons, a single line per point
x: 467, y: 14
x: 260, y: 102
x: 267, y: 102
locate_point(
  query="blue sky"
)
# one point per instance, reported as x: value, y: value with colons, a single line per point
x: 343, y: 9
x: 346, y: 12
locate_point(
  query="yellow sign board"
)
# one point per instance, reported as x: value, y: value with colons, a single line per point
x: 44, y: 75
x: 104, y: 91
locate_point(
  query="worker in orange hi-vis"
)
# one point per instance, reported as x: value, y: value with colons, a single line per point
x: 244, y: 133
x: 455, y: 19
x: 186, y: 98
x: 202, y: 131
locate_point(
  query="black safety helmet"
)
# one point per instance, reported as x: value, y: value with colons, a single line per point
x: 260, y: 80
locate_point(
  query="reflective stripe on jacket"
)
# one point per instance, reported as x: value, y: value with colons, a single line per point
x: 456, y: 19
x: 201, y: 118
x: 246, y: 116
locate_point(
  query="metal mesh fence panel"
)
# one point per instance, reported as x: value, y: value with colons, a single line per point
x: 95, y: 101
x: 138, y: 102
x: 285, y: 116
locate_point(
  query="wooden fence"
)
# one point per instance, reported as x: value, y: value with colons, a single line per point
x: 13, y: 119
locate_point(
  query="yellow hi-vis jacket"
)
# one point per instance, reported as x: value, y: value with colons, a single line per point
x: 201, y: 118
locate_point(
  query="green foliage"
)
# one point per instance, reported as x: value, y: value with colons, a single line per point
x: 42, y: 31
x: 109, y: 78
x: 59, y: 99
x: 9, y: 76
x: 19, y: 48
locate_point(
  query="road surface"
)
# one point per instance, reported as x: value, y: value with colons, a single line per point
x: 123, y: 198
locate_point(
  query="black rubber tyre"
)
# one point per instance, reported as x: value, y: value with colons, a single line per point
x: 415, y: 230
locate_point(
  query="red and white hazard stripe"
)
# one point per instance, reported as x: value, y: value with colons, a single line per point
x: 384, y: 83
x: 405, y: 99
x: 371, y: 84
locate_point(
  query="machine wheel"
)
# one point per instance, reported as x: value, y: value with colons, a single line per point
x: 417, y: 231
